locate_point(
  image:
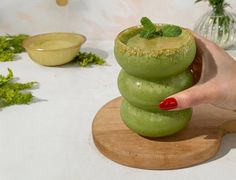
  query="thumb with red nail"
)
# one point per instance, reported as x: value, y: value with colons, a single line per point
x: 214, y: 72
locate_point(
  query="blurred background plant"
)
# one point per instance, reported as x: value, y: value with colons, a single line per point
x: 218, y: 24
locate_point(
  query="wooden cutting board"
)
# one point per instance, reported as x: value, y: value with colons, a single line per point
x: 195, y: 144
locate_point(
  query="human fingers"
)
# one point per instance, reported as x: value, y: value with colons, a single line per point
x: 203, y: 93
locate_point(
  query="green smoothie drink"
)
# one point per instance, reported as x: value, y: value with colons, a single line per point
x: 154, y: 66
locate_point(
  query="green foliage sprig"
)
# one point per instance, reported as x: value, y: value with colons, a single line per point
x: 11, y: 92
x: 11, y: 45
x: 88, y: 58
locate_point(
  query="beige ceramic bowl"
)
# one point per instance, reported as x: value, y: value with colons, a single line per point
x: 53, y: 49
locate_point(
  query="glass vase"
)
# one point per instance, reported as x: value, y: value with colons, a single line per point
x: 218, y: 27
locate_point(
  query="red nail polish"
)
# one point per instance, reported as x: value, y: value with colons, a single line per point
x: 169, y: 103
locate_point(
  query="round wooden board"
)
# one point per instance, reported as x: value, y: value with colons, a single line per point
x: 195, y: 144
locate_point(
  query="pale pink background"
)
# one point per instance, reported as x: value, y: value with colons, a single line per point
x: 97, y: 19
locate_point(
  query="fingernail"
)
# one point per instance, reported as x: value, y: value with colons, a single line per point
x: 168, y: 103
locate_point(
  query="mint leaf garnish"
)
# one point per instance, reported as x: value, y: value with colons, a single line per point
x: 171, y: 30
x: 149, y: 30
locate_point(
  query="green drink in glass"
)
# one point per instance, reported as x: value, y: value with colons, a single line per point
x: 154, y: 66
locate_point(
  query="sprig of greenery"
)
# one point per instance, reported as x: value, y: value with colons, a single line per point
x: 5, y: 79
x: 150, y: 30
x: 215, y: 2
x: 218, y: 5
x: 88, y: 58
x: 10, y: 92
x: 11, y: 45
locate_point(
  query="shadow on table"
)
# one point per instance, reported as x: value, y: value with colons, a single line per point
x: 227, y: 144
x: 33, y: 100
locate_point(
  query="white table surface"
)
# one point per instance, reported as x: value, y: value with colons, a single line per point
x: 51, y: 138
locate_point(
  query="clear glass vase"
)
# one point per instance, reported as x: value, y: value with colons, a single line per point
x: 219, y: 27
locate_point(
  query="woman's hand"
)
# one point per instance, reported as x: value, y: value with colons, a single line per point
x: 215, y: 73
